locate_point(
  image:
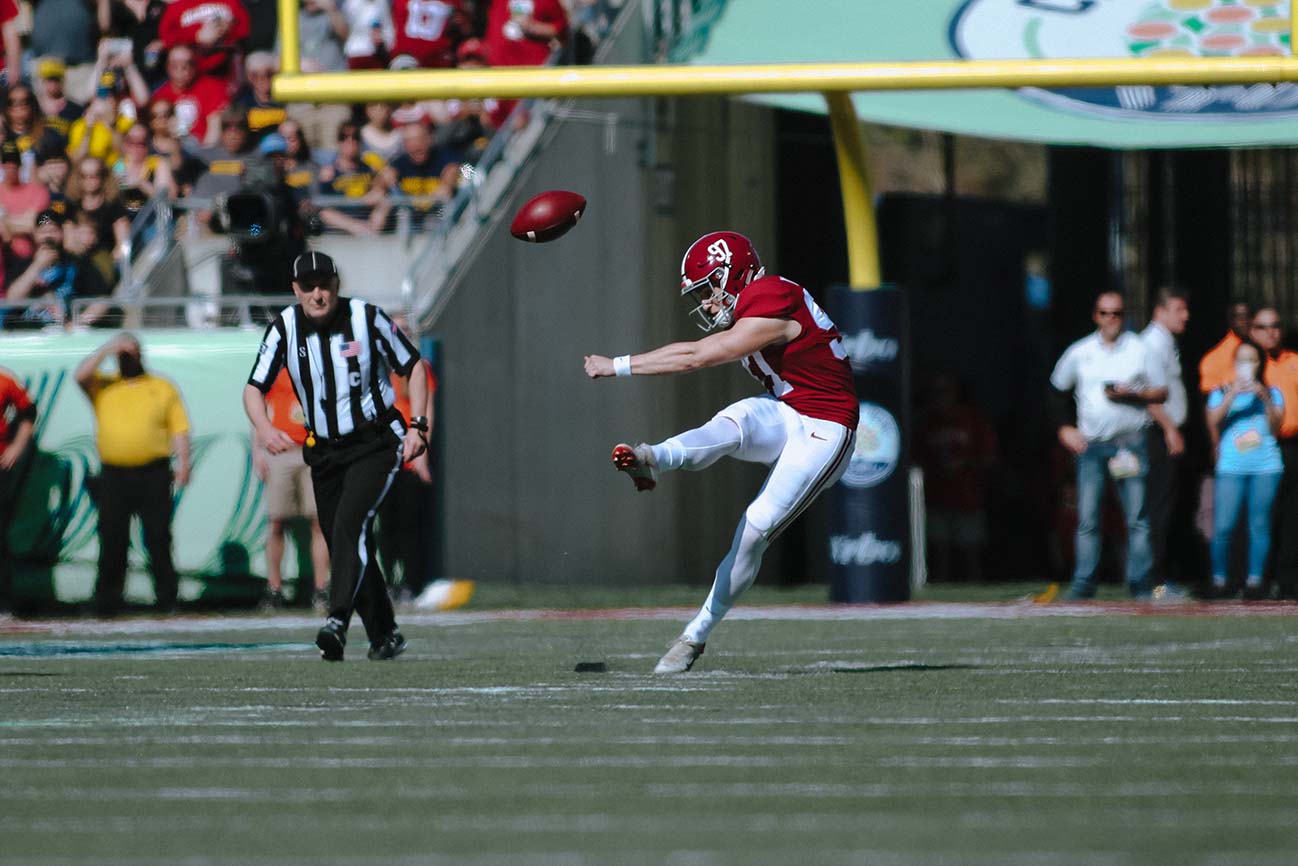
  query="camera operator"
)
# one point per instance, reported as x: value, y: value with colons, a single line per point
x: 268, y: 222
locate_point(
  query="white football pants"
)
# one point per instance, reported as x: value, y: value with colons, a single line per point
x: 806, y: 456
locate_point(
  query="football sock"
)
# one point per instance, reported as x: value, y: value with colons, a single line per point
x: 735, y: 574
x: 698, y: 448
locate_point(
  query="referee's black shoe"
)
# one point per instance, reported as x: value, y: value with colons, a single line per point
x: 331, y: 639
x: 387, y: 647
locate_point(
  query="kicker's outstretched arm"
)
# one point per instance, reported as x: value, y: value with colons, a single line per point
x: 748, y: 335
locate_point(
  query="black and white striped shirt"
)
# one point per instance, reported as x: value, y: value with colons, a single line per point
x: 340, y: 373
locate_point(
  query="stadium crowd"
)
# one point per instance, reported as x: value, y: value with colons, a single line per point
x: 110, y: 103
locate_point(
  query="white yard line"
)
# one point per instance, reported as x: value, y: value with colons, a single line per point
x: 773, y: 613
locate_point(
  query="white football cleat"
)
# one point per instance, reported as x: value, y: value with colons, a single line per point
x: 680, y: 656
x: 638, y: 462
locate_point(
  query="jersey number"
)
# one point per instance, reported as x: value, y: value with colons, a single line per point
x: 426, y: 19
x: 822, y: 320
x: 757, y: 366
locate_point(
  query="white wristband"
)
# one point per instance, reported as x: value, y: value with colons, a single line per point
x: 622, y: 365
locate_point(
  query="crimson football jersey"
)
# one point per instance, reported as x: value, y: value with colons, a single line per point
x: 810, y: 373
x: 427, y: 30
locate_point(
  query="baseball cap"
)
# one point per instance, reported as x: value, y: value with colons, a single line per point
x: 273, y: 143
x: 9, y: 152
x: 50, y: 215
x: 313, y: 264
x: 50, y: 67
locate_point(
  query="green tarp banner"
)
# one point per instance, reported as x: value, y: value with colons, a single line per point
x: 219, y: 522
x: 775, y: 31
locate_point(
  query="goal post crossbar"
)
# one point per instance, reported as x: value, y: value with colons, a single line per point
x: 836, y: 81
x: 686, y: 80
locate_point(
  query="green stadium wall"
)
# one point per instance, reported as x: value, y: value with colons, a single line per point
x: 219, y: 521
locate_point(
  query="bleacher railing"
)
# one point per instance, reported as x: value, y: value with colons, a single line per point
x: 192, y: 311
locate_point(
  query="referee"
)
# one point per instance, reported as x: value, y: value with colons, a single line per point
x: 338, y: 352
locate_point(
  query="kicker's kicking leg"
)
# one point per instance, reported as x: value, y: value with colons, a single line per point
x: 814, y: 458
x: 694, y: 449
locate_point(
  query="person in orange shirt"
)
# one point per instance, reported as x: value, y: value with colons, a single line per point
x: 1281, y: 372
x: 1217, y: 368
x: 289, y: 496
x: 17, y: 427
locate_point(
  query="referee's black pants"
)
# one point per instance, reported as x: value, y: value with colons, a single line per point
x: 121, y: 492
x: 351, y: 477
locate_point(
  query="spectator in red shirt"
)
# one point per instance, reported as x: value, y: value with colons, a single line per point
x: 213, y: 28
x: 19, y: 204
x: 12, y: 43
x: 17, y: 428
x: 197, y: 101
x: 955, y: 446
x: 428, y: 31
x: 524, y: 32
x: 473, y: 54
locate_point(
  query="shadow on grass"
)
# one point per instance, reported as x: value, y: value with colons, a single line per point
x: 889, y: 668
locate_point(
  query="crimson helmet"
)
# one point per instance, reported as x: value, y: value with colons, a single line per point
x: 715, y: 268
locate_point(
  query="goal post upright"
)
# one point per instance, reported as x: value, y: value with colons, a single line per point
x: 290, y: 44
x: 858, y: 199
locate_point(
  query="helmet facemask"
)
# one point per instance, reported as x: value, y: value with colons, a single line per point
x: 711, y: 289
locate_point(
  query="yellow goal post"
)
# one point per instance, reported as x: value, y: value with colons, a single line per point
x: 836, y: 81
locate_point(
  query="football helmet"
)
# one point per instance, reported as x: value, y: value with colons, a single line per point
x: 715, y: 269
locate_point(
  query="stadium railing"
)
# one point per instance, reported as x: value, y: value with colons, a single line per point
x: 193, y: 311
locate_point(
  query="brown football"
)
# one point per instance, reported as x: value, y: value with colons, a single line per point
x: 547, y: 216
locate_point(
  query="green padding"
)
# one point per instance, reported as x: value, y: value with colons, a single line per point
x: 219, y: 521
x: 775, y: 31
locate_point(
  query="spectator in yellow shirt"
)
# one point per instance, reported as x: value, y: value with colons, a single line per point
x: 141, y: 424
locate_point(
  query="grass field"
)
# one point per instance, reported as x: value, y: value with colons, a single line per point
x: 930, y: 734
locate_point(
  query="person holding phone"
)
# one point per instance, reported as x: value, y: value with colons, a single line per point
x: 1114, y: 379
x: 1246, y: 415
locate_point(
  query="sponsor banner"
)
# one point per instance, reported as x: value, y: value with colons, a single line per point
x: 878, y: 448
x: 869, y: 543
x: 1117, y: 117
x: 1052, y: 29
x: 219, y: 522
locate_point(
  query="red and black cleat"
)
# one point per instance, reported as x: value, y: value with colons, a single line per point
x: 638, y: 462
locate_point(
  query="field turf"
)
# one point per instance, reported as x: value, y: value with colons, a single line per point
x: 932, y: 734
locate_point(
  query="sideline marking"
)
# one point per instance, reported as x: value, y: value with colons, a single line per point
x: 62, y: 649
x: 196, y: 624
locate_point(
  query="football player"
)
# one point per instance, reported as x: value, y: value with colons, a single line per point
x: 804, y: 427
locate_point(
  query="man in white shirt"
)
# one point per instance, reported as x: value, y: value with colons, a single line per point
x: 1113, y: 381
x: 1166, y: 445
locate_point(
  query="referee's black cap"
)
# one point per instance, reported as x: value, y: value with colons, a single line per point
x: 313, y: 264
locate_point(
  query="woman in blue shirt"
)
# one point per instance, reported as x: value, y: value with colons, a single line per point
x: 1247, y: 414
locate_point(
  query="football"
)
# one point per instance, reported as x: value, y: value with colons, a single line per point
x: 547, y: 216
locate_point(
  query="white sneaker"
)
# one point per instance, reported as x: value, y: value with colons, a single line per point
x: 680, y: 657
x: 638, y: 462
